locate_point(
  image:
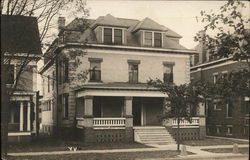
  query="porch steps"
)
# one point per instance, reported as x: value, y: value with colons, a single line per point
x: 153, y: 135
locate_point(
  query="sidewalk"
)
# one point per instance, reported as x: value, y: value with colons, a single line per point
x: 198, y: 153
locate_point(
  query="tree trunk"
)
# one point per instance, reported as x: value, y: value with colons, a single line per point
x: 178, y: 134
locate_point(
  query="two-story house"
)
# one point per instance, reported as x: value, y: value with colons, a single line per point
x: 118, y: 56
x: 222, y: 119
x: 21, y: 49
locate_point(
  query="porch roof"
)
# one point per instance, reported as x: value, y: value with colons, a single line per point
x: 119, y: 89
x: 117, y: 86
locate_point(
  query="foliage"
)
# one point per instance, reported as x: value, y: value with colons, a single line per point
x: 232, y: 37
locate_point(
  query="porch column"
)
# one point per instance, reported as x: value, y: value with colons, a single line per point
x: 128, y: 111
x: 202, y: 120
x: 21, y: 116
x: 129, y: 118
x: 88, y: 111
x: 28, y: 116
x: 128, y: 106
x: 166, y: 108
x: 88, y: 119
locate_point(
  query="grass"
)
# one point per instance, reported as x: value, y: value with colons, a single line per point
x: 106, y: 156
x: 46, y: 145
x: 211, y: 142
x: 244, y: 150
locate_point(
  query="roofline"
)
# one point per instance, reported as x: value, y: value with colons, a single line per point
x: 211, y: 63
x: 184, y: 51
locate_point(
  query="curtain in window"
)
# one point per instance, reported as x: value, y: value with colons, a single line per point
x: 95, y: 71
x: 133, y: 73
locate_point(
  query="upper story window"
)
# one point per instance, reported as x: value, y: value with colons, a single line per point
x: 224, y: 75
x: 133, y: 70
x: 48, y: 83
x: 168, y: 75
x: 112, y: 36
x: 65, y: 105
x: 10, y: 74
x: 229, y: 110
x: 152, y: 39
x: 158, y: 39
x: 95, y: 69
x: 63, y: 70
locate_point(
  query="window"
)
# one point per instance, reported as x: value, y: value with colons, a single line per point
x: 10, y: 74
x: 65, y: 69
x: 217, y: 104
x: 148, y: 39
x: 117, y: 36
x: 229, y: 130
x: 95, y: 69
x: 107, y: 35
x: 133, y: 70
x: 53, y: 80
x: 152, y: 39
x: 112, y: 36
x: 157, y: 40
x: 229, y: 110
x: 65, y: 106
x: 14, y: 112
x: 218, y: 129
x: 215, y: 77
x: 48, y: 83
x: 168, y: 76
x: 247, y: 105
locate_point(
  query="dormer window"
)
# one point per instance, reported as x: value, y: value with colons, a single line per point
x: 113, y: 36
x: 152, y: 39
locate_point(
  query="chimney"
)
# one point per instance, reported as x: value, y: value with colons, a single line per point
x: 61, y: 23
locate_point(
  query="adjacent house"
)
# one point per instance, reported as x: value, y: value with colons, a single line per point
x: 21, y: 49
x: 95, y: 79
x: 227, y: 120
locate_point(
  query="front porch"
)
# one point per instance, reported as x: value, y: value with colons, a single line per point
x: 115, y: 111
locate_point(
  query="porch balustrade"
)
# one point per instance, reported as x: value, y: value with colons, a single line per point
x: 109, y: 122
x: 183, y: 122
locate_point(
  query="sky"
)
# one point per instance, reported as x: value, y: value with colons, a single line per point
x: 180, y: 16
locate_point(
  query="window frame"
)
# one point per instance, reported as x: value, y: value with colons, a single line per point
x: 228, y: 130
x: 133, y: 62
x: 171, y: 65
x: 95, y: 60
x: 227, y: 106
x: 113, y: 35
x: 65, y: 104
x: 153, y: 38
x: 218, y: 129
x: 215, y: 77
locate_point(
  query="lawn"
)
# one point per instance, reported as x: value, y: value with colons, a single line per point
x: 105, y: 156
x: 211, y: 142
x: 244, y: 150
x: 43, y: 145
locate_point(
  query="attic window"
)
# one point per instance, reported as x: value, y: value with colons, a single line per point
x: 152, y: 39
x: 112, y: 36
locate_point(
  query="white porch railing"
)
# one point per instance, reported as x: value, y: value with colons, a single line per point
x: 109, y: 122
x: 183, y: 123
x: 79, y: 122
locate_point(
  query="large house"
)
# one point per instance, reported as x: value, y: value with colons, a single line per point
x: 21, y: 49
x: 95, y: 79
x: 226, y: 119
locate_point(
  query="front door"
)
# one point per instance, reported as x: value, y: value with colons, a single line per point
x: 136, y: 111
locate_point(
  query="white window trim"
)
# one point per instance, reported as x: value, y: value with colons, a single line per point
x: 153, y: 36
x: 113, y: 35
x: 227, y: 112
x: 228, y: 130
x: 217, y: 127
x: 214, y: 75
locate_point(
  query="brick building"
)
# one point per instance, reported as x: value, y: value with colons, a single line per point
x: 228, y: 120
x: 20, y: 44
x: 119, y: 56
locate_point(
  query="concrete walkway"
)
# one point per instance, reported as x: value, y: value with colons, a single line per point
x: 199, y: 154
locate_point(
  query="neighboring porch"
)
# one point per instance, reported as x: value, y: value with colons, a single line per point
x: 21, y: 122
